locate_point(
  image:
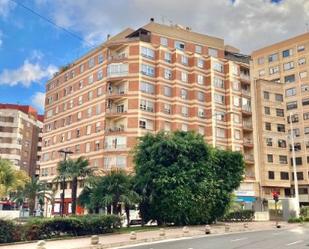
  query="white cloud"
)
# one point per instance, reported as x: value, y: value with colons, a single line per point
x: 26, y: 74
x: 38, y: 100
x: 5, y: 7
x: 247, y: 24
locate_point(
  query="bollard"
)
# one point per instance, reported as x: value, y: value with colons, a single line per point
x: 94, y: 240
x: 162, y: 232
x: 133, y: 236
x: 185, y: 230
x: 246, y: 225
x: 41, y: 244
x: 207, y: 229
x: 227, y: 228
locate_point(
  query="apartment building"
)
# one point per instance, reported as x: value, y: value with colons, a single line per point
x: 21, y: 136
x: 157, y: 77
x: 281, y: 83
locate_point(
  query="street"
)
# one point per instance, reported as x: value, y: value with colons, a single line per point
x: 274, y: 239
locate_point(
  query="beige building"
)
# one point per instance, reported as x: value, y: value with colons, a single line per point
x: 154, y: 78
x: 21, y: 136
x: 280, y: 76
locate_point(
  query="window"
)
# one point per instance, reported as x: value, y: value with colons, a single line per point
x: 198, y: 49
x: 236, y: 118
x: 268, y: 126
x: 185, y: 111
x: 80, y: 100
x: 167, y: 109
x: 99, y: 91
x: 305, y: 101
x: 184, y: 60
x: 279, y: 97
x: 300, y: 176
x: 90, y: 95
x: 100, y: 74
x: 273, y: 70
x: 91, y: 63
x: 280, y: 127
x: 147, y: 52
x: 201, y: 113
x: 184, y: 127
x: 168, y: 74
x: 281, y: 143
x: 272, y: 57
x: 298, y: 161
x: 302, y: 61
x: 300, y: 48
x: 218, y: 67
x: 97, y: 145
x: 184, y: 77
x: 236, y: 85
x: 120, y: 69
x: 283, y: 159
x: 168, y: 57
x: 213, y: 52
x: 294, y: 118
x: 98, y: 109
x: 219, y: 98
x: 201, y: 130
x: 100, y: 58
x: 200, y: 63
x: 98, y: 127
x: 284, y: 175
x: 146, y: 124
x: 289, y: 78
x: 218, y: 82
x: 291, y: 105
x: 296, y: 132
x: 81, y: 68
x: 167, y: 126
x: 167, y: 91
x: 266, y: 95
x: 303, y: 191
x: 262, y: 72
x: 200, y: 96
x: 266, y: 110
x: 288, y: 66
x: 148, y: 70
x: 88, y: 147
x: 305, y: 88
x: 270, y: 158
x: 287, y: 53
x: 306, y: 115
x: 237, y: 134
x: 290, y: 92
x: 303, y: 74
x: 220, y: 132
x: 90, y: 79
x: 146, y: 87
x: 163, y: 41
x: 200, y: 79
x: 179, y: 45
x: 88, y: 130
x: 306, y: 130
x: 269, y: 141
x: 147, y: 105
x: 260, y: 60
x: 236, y: 101
x: 271, y: 175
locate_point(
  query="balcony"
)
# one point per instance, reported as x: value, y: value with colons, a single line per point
x: 247, y: 126
x: 117, y: 58
x: 246, y: 92
x: 249, y: 158
x: 116, y: 93
x: 248, y: 142
x: 115, y: 112
x: 114, y: 147
x: 114, y: 129
x: 116, y: 70
x: 246, y: 109
x: 245, y: 77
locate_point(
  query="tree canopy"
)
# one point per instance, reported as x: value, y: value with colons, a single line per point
x: 182, y: 180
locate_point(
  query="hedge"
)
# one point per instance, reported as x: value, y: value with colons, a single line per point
x: 298, y: 220
x: 304, y: 212
x: 241, y: 215
x: 47, y: 228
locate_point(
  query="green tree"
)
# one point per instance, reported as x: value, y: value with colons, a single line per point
x: 32, y: 191
x: 182, y: 180
x: 73, y: 170
x: 10, y: 178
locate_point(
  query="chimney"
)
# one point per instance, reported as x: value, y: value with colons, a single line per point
x: 151, y: 19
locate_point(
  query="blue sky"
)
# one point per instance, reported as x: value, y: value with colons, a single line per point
x: 32, y: 49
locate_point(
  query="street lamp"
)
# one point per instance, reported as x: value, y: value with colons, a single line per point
x: 294, y: 167
x: 215, y: 122
x: 65, y: 152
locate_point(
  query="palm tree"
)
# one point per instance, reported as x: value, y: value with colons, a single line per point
x: 74, y: 170
x: 32, y: 191
x: 10, y: 178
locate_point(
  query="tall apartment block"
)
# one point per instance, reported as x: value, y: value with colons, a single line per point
x: 154, y: 78
x: 21, y: 136
x: 281, y: 84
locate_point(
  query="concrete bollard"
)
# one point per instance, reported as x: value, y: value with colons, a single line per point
x: 41, y: 244
x: 162, y: 232
x: 94, y: 240
x: 185, y: 230
x: 207, y: 229
x: 246, y: 225
x: 133, y: 236
x: 227, y: 228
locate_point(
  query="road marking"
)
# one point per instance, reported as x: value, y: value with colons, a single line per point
x: 295, y: 242
x: 240, y: 239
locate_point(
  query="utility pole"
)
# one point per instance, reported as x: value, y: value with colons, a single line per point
x: 294, y: 168
x: 62, y: 195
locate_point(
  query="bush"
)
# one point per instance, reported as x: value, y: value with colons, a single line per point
x: 241, y: 215
x: 304, y: 212
x: 47, y: 228
x: 295, y: 220
x: 9, y: 232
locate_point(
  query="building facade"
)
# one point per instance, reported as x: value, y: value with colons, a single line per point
x: 155, y: 78
x: 21, y: 136
x: 281, y: 83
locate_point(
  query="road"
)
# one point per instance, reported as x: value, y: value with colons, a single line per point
x: 273, y: 239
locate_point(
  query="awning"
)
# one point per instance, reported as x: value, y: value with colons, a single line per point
x: 245, y: 199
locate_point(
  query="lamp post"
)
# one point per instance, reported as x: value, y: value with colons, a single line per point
x: 65, y: 152
x: 294, y: 168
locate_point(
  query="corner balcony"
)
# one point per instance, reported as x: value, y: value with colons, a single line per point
x: 246, y: 110
x: 248, y: 142
x: 117, y: 93
x: 115, y: 112
x: 114, y: 58
x: 114, y: 129
x: 246, y: 92
x: 245, y: 77
x: 249, y: 158
x: 247, y: 126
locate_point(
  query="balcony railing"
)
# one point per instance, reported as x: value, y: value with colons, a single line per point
x: 247, y: 125
x: 246, y: 108
x: 245, y: 77
x: 117, y: 57
x: 118, y: 111
x: 117, y: 92
x: 246, y: 92
x: 115, y: 146
x: 114, y: 129
x: 249, y: 157
x: 248, y: 142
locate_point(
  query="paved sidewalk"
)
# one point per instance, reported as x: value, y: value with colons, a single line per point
x: 115, y: 240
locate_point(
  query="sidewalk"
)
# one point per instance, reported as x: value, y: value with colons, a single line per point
x: 115, y: 240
